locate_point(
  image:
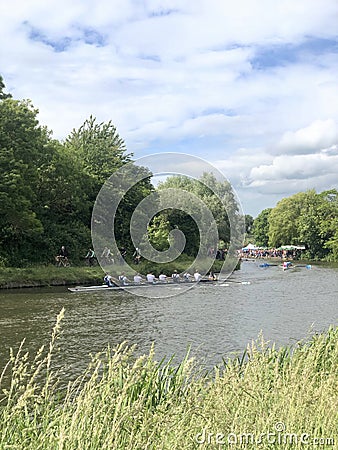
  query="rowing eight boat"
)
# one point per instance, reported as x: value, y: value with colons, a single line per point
x: 104, y: 287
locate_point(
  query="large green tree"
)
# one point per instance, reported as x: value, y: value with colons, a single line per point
x: 48, y: 188
x: 218, y: 199
x: 99, y: 152
x: 22, y: 143
x: 260, y: 228
x: 307, y: 218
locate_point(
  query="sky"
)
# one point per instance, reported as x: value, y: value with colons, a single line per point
x: 251, y: 86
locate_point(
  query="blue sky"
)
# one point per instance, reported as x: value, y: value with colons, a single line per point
x: 251, y: 86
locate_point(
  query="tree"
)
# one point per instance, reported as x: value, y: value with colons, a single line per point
x: 3, y: 95
x: 98, y: 149
x: 260, y: 228
x: 283, y: 221
x: 308, y: 225
x: 158, y: 232
x: 329, y: 223
x: 219, y: 207
x: 22, y: 143
x: 249, y: 220
x: 306, y: 218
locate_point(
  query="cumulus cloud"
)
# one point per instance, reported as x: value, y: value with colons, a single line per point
x: 248, y: 84
x: 318, y: 135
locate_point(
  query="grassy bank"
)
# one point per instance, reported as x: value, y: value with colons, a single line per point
x: 11, y: 277
x: 123, y: 403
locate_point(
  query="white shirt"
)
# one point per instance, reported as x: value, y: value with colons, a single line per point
x: 197, y: 276
x: 137, y: 279
x: 162, y: 277
x: 150, y: 278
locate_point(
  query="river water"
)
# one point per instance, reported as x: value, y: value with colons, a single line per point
x: 215, y: 321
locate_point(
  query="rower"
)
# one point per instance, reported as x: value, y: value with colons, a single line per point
x: 187, y: 277
x: 286, y: 265
x: 175, y: 277
x: 123, y: 279
x: 108, y: 280
x: 151, y: 278
x: 162, y: 277
x: 138, y: 279
x: 197, y: 276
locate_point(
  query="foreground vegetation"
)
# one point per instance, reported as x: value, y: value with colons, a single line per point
x: 125, y: 403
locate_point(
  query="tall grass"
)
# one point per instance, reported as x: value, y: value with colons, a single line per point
x: 121, y: 402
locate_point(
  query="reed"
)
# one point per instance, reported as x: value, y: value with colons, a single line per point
x: 123, y: 402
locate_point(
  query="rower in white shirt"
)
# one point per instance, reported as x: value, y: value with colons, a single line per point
x: 151, y: 278
x: 137, y: 278
x: 162, y: 277
x: 197, y: 276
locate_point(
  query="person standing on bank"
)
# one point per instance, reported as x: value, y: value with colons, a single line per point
x: 62, y: 257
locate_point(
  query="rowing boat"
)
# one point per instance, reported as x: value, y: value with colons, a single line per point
x: 296, y: 266
x: 104, y: 287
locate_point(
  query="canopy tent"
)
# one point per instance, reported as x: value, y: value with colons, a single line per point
x: 249, y: 247
x: 291, y: 247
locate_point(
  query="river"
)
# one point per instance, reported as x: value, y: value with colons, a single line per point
x: 215, y: 321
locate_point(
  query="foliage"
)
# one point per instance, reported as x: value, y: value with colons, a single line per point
x: 191, y: 213
x: 158, y: 232
x: 22, y: 143
x: 98, y: 149
x: 260, y: 228
x: 306, y: 218
x: 48, y: 188
x: 123, y: 402
x: 3, y: 94
x: 249, y: 220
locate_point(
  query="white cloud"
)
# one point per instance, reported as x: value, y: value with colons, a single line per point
x: 241, y: 83
x: 319, y: 134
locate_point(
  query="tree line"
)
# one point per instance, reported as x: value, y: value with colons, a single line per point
x: 306, y: 218
x: 48, y: 189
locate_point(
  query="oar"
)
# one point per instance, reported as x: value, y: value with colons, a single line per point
x: 238, y: 282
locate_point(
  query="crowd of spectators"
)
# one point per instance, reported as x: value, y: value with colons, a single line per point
x: 258, y: 253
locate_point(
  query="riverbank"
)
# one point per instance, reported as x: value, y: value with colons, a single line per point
x: 42, y: 276
x: 268, y: 398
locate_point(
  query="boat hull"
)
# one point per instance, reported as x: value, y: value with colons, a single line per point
x: 134, y: 286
